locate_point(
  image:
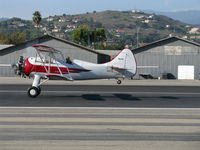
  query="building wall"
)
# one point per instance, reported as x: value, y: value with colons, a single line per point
x: 168, y: 57
x: 72, y: 51
x: 12, y: 54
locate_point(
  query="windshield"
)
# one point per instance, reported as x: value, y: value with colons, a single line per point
x: 58, y: 56
x: 49, y: 57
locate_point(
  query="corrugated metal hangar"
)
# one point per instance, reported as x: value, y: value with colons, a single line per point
x: 10, y: 54
x: 170, y: 58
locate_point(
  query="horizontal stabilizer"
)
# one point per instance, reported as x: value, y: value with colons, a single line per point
x: 117, y: 68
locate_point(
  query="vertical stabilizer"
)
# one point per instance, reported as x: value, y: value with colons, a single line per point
x: 124, y: 63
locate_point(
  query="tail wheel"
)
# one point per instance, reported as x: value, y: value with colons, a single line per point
x: 119, y: 81
x: 33, y: 92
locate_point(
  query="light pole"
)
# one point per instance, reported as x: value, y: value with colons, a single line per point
x: 138, y: 29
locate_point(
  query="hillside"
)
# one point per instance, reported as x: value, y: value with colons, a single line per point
x: 129, y: 19
x: 3, y: 19
x: 189, y: 16
x: 123, y: 27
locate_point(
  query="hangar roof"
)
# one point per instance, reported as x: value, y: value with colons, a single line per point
x: 109, y: 52
x: 52, y: 37
x: 162, y: 42
x: 4, y: 46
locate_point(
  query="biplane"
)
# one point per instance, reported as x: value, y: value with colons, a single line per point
x: 50, y: 64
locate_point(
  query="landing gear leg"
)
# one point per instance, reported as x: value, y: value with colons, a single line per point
x: 119, y: 81
x: 35, y: 90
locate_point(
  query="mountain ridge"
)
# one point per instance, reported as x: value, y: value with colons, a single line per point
x: 186, y: 16
x: 126, y: 27
x: 3, y: 19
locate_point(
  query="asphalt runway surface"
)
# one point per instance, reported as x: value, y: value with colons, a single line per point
x: 102, y: 96
x: 99, y: 129
x: 100, y: 117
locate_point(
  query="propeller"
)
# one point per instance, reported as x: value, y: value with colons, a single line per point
x: 19, y: 67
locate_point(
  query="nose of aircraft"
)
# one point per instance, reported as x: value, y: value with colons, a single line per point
x: 27, y: 67
x: 19, y: 67
x: 22, y: 67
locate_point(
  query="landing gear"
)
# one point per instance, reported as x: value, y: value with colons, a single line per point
x: 39, y: 90
x: 35, y: 90
x: 119, y: 81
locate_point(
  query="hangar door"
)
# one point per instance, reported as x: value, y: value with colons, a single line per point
x: 186, y: 72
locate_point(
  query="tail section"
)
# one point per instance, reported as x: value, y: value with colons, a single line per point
x: 124, y: 63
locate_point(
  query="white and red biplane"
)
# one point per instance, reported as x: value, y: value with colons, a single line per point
x: 49, y: 64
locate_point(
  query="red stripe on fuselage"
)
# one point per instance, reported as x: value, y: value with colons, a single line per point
x: 29, y: 68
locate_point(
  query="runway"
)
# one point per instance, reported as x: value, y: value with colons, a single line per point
x: 100, y: 117
x: 102, y: 96
x: 102, y: 128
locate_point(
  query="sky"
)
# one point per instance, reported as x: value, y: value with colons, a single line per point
x: 25, y: 8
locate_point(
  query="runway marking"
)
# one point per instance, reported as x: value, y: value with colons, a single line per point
x: 9, y: 91
x: 141, y: 128
x: 101, y: 108
x: 103, y: 92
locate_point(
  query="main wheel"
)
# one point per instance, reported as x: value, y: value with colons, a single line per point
x: 33, y: 92
x: 119, y: 81
x: 39, y: 89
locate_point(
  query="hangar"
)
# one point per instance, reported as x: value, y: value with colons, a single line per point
x: 11, y: 53
x: 170, y: 58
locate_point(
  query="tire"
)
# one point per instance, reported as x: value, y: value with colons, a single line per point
x: 119, y: 81
x: 33, y: 92
x: 39, y: 89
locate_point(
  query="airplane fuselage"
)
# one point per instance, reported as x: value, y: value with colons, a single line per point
x: 78, y: 70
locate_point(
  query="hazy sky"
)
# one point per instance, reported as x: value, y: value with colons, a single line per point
x: 25, y: 8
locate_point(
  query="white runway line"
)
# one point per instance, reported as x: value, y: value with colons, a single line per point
x: 100, y: 108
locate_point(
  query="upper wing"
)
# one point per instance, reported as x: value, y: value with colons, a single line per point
x: 44, y: 48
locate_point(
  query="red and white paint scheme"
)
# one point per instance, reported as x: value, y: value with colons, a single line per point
x: 49, y: 64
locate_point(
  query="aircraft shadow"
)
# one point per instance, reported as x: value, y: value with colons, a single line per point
x: 93, y: 97
x: 98, y: 97
x: 168, y: 97
x: 126, y: 97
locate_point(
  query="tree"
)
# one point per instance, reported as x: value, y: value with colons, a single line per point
x: 17, y: 37
x: 81, y: 35
x: 14, y: 38
x: 37, y: 18
x: 101, y: 35
x: 3, y: 38
x: 86, y: 36
x: 97, y: 36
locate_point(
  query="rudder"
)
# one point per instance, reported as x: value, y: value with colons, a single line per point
x: 124, y: 63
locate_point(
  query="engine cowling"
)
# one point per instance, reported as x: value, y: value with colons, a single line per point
x: 19, y: 67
